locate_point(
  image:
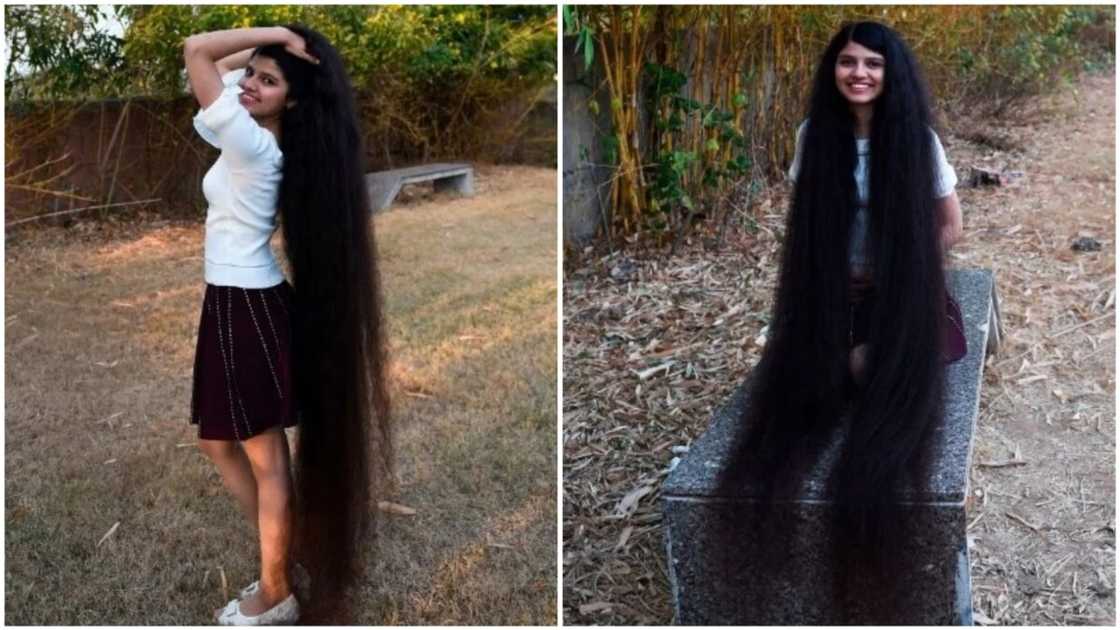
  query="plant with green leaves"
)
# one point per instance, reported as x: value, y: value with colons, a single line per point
x: 756, y: 62
x: 56, y: 52
x: 429, y: 77
x: 680, y: 171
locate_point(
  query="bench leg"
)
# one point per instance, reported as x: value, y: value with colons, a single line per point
x: 963, y: 588
x: 382, y: 192
x: 461, y: 184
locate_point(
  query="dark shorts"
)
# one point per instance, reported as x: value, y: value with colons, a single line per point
x: 863, y: 301
x: 242, y: 363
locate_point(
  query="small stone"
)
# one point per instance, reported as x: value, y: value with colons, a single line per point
x: 983, y: 177
x: 624, y: 270
x: 1086, y: 244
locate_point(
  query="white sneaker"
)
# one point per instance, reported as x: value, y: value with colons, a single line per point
x: 249, y: 590
x: 285, y: 613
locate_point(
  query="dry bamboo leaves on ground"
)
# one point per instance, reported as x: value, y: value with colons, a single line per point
x: 654, y: 348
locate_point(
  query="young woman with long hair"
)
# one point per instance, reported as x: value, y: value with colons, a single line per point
x: 862, y: 325
x: 271, y: 354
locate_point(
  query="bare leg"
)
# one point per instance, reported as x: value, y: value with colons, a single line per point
x: 237, y: 475
x: 859, y: 288
x: 857, y: 363
x: 269, y: 458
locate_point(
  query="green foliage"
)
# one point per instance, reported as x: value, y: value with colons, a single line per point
x: 463, y: 39
x: 610, y: 149
x: 424, y: 45
x: 1046, y: 44
x: 750, y: 67
x: 674, y: 117
x: 584, y: 32
x: 429, y: 73
x: 988, y: 55
x: 62, y: 51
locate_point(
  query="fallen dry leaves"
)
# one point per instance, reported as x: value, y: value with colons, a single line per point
x: 654, y: 345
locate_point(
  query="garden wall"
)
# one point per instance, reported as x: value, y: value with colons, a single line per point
x: 130, y: 150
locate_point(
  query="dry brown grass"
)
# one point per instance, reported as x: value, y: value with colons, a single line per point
x: 652, y: 346
x: 101, y: 322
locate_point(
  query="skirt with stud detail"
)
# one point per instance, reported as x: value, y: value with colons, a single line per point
x: 242, y: 363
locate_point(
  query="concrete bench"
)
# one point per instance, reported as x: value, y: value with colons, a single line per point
x: 717, y: 582
x: 383, y: 186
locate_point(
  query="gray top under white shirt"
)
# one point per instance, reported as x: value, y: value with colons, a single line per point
x: 944, y: 184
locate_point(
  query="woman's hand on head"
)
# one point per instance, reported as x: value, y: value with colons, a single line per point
x: 207, y: 55
x: 297, y: 46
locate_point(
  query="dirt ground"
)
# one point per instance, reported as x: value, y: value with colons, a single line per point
x: 112, y: 514
x: 653, y: 346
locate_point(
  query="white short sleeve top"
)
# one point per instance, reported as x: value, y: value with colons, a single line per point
x: 242, y: 188
x: 945, y: 182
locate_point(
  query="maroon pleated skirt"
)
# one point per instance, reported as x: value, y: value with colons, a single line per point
x: 242, y: 363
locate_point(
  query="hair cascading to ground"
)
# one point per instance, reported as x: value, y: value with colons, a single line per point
x: 338, y: 341
x: 798, y: 389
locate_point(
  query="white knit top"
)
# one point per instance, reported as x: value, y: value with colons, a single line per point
x: 945, y: 181
x: 242, y: 188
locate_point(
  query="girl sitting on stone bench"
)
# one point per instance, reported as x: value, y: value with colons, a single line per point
x: 862, y: 324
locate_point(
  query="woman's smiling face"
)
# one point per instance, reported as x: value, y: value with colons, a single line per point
x: 859, y: 73
x: 264, y: 89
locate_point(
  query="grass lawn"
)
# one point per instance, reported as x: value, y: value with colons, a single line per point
x: 100, y: 324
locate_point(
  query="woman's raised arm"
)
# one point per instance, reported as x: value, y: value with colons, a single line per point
x: 235, y: 61
x: 201, y: 53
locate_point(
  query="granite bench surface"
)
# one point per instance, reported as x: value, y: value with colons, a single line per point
x: 442, y: 169
x: 715, y: 564
x: 695, y: 476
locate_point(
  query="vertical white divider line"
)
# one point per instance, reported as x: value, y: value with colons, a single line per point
x: 559, y: 317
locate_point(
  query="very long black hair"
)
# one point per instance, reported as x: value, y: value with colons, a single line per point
x: 799, y: 389
x: 345, y: 441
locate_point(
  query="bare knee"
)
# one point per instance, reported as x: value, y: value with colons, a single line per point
x: 268, y: 455
x: 218, y: 449
x: 857, y: 363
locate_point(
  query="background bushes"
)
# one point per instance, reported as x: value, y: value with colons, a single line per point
x: 739, y: 78
x: 98, y: 117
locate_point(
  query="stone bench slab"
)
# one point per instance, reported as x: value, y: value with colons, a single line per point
x: 383, y: 186
x: 714, y: 585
